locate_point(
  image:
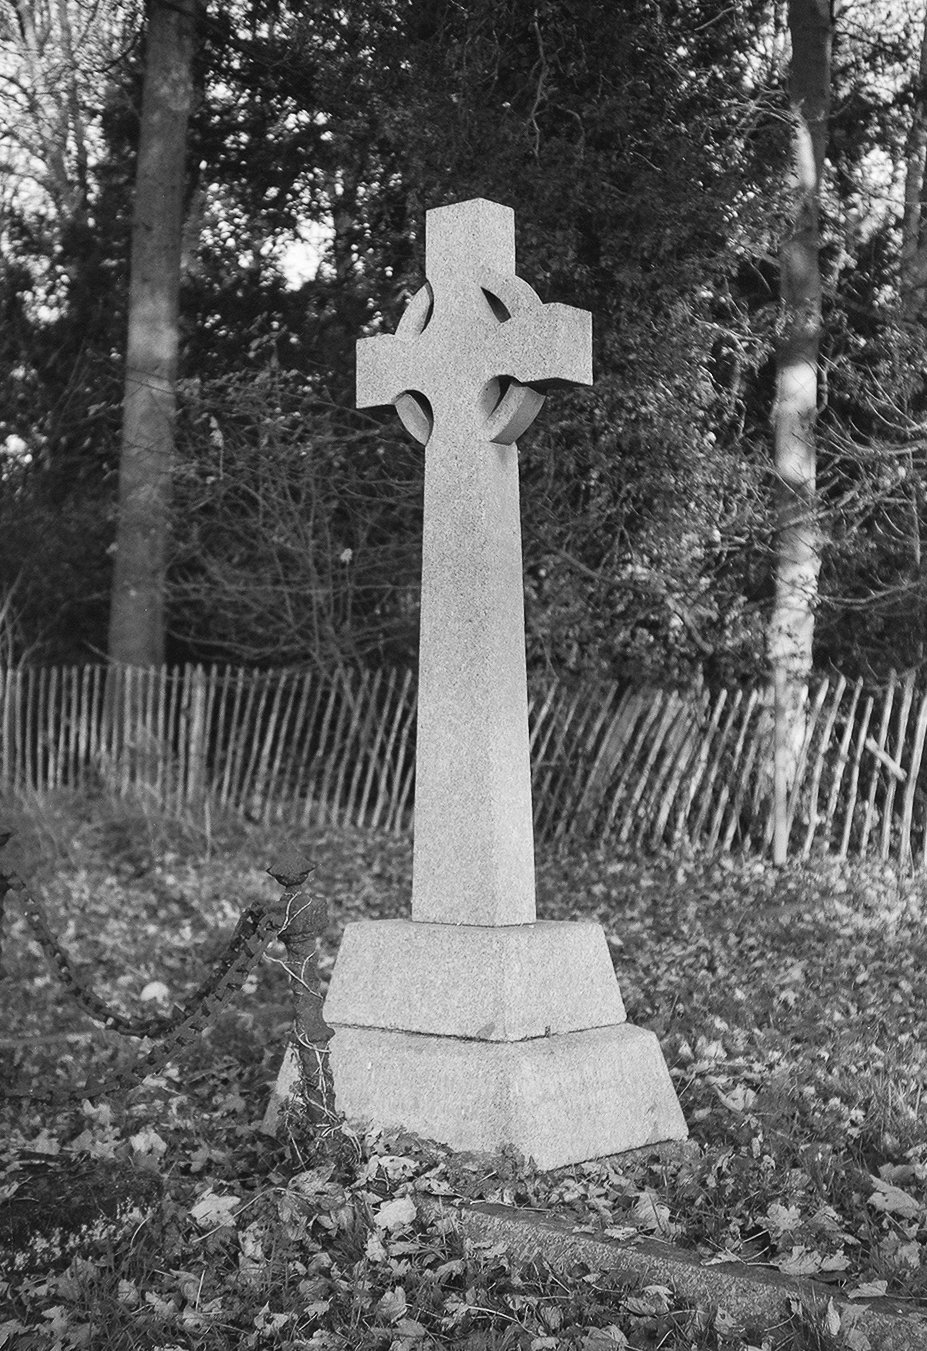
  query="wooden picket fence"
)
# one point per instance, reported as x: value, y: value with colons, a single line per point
x: 613, y: 765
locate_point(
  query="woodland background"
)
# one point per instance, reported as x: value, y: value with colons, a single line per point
x: 650, y: 152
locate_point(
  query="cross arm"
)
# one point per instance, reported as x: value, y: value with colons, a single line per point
x: 381, y: 371
x: 551, y: 347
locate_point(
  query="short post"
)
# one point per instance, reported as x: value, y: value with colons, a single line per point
x: 304, y: 1082
x: 473, y: 1023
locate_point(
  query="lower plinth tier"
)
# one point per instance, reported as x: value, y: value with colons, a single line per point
x: 480, y: 1037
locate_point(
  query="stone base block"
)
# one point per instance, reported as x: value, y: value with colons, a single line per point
x: 557, y: 1099
x: 495, y: 983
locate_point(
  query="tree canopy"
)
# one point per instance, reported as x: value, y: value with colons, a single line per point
x: 644, y: 147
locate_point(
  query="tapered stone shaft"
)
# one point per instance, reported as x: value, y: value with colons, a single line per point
x: 466, y: 370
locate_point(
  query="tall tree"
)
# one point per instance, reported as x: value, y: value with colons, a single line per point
x: 136, y: 629
x: 913, y: 241
x: 798, y: 544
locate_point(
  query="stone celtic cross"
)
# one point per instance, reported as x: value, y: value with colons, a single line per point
x: 473, y: 1022
x: 467, y: 371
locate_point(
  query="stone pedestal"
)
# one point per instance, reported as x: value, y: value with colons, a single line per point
x: 472, y: 1023
x: 483, y: 1036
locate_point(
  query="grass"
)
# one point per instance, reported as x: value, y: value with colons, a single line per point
x: 790, y: 1006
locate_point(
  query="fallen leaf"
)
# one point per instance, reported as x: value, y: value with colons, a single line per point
x: 212, y: 1211
x: 374, y: 1249
x: 609, y: 1338
x: 893, y: 1200
x: 155, y: 992
x: 832, y: 1318
x: 651, y: 1300
x: 410, y: 1330
x: 148, y: 1143
x: 649, y: 1213
x: 316, y: 1309
x: 799, y: 1262
x: 738, y: 1099
x: 868, y: 1290
x: 391, y: 1306
x: 312, y: 1182
x: 781, y: 1219
x: 396, y: 1214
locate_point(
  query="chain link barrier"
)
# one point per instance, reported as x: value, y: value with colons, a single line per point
x: 257, y: 927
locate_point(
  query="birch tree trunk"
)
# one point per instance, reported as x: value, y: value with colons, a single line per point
x: 913, y: 244
x: 798, y: 555
x: 136, y: 630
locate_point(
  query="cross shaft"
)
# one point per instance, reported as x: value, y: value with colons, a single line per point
x: 467, y: 371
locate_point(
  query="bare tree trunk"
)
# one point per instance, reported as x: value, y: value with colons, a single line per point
x: 136, y: 631
x: 798, y: 556
x: 913, y: 244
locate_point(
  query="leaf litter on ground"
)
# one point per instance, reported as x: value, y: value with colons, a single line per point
x: 790, y: 1006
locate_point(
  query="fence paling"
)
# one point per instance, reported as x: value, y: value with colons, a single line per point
x: 905, y: 851
x: 30, y: 740
x: 842, y: 758
x: 677, y: 765
x: 576, y: 752
x: 667, y: 717
x: 537, y: 716
x: 51, y: 735
x: 795, y: 789
x: 213, y: 688
x: 662, y: 755
x: 649, y: 714
x: 859, y: 746
x: 717, y: 817
x: 540, y: 750
x: 715, y: 762
x: 283, y: 786
x: 819, y: 761
x: 276, y: 781
x: 68, y: 726
x: 229, y: 735
x: 904, y: 714
x: 301, y: 777
x: 686, y: 750
x: 332, y: 751
x: 255, y: 789
x: 405, y: 778
x: 283, y: 750
x: 342, y: 758
x: 242, y: 737
x: 359, y: 736
x: 880, y: 745
x: 55, y: 727
x: 313, y: 793
x: 726, y: 832
x: 666, y: 766
x: 698, y: 769
x: 60, y: 702
x: 338, y: 754
x: 557, y: 761
x: 19, y: 729
x: 387, y: 780
x: 635, y: 814
x: 596, y: 748
x: 375, y: 755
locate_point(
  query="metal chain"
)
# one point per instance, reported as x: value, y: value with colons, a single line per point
x: 256, y: 928
x: 157, y: 1025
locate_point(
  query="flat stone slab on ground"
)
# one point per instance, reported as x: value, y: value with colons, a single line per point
x: 493, y: 983
x: 67, y: 1207
x: 755, y: 1297
x: 557, y: 1099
